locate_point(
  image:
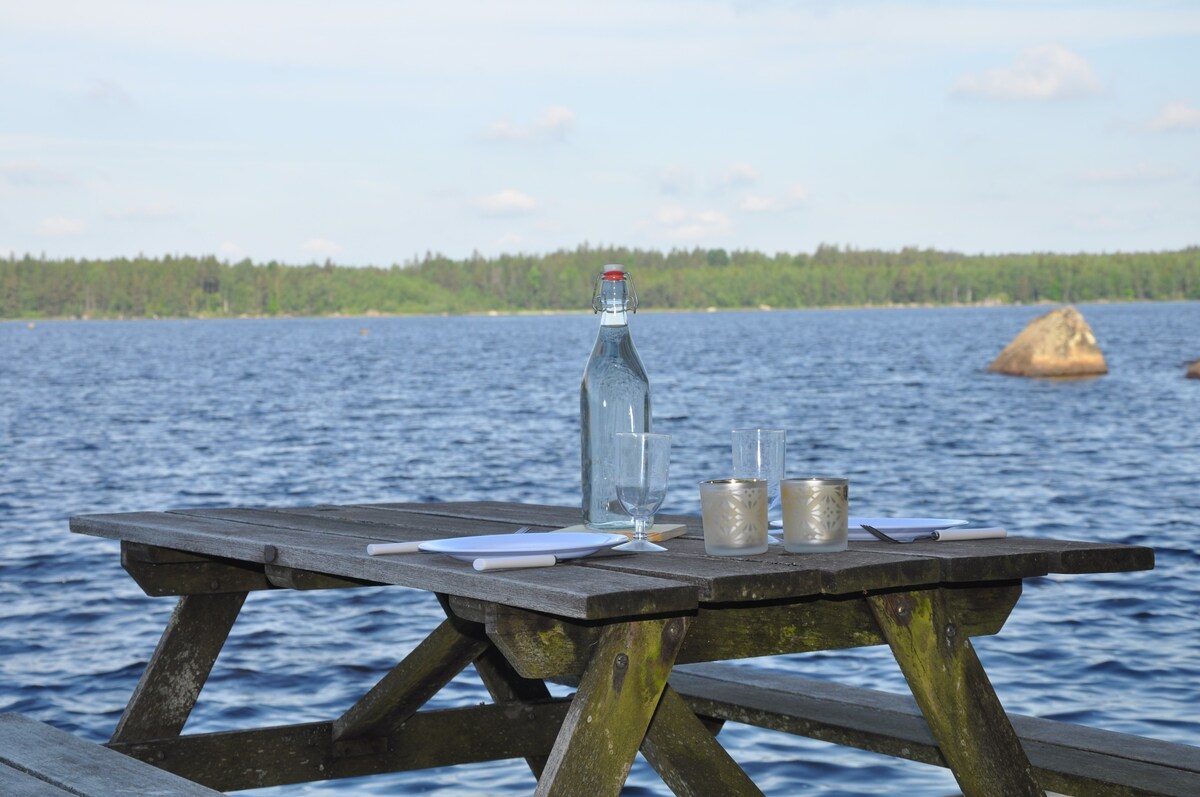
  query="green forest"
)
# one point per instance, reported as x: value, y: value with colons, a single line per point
x: 180, y: 286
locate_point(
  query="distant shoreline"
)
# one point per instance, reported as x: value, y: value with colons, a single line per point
x: 645, y: 310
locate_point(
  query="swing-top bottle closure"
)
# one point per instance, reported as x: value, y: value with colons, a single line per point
x: 613, y: 291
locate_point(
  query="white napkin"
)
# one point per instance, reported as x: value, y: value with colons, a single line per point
x: 514, y: 562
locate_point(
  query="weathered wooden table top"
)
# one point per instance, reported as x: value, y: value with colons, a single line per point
x: 332, y: 540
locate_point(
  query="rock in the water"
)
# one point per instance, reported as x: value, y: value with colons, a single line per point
x: 1060, y: 343
x: 1193, y: 371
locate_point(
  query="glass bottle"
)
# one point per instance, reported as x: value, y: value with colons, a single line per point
x: 614, y: 396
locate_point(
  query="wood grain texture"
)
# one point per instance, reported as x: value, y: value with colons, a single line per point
x: 330, y: 540
x: 1067, y: 758
x: 15, y: 783
x: 505, y: 685
x: 430, y: 666
x: 573, y: 621
x: 570, y: 591
x: 198, y: 576
x: 612, y: 708
x: 79, y: 767
x: 545, y: 646
x: 251, y: 759
x: 172, y: 680
x: 687, y: 757
x: 949, y: 684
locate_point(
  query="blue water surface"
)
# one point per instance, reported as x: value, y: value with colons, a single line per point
x: 150, y: 415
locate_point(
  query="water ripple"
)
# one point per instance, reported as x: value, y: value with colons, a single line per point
x: 124, y: 416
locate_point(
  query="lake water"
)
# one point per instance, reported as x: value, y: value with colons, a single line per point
x: 148, y: 415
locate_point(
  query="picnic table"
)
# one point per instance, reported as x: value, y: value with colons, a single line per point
x: 612, y: 625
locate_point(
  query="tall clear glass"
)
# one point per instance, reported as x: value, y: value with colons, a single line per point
x: 760, y: 454
x: 642, y: 463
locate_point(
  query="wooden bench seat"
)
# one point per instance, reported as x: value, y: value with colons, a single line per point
x: 38, y: 760
x: 1067, y: 758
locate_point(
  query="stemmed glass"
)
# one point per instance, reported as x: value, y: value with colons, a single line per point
x: 642, y: 463
x: 759, y: 454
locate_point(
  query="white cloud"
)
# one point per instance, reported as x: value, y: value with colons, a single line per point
x: 554, y: 124
x: 671, y: 214
x: 60, y: 226
x: 1049, y: 72
x: 1177, y: 116
x: 675, y: 179
x: 683, y: 224
x: 756, y: 203
x: 107, y: 94
x: 321, y: 246
x: 678, y: 180
x: 1139, y: 174
x: 508, y: 202
x: 739, y: 175
x: 229, y: 249
x: 797, y: 194
x: 25, y: 174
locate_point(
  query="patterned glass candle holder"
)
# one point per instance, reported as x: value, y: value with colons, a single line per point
x: 735, y: 516
x: 815, y: 514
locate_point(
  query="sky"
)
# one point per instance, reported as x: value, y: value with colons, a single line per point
x: 370, y: 133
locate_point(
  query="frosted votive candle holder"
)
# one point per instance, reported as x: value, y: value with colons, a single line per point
x: 816, y: 513
x: 735, y: 516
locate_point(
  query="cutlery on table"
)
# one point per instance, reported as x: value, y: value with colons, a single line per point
x: 943, y: 535
x: 514, y: 562
x: 933, y: 535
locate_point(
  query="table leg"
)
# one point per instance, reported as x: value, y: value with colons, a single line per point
x: 954, y: 693
x: 172, y: 680
x: 612, y: 708
x: 687, y: 756
x: 506, y: 685
x: 419, y: 676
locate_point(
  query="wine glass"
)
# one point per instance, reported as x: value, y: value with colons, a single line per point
x: 642, y: 463
x: 759, y: 454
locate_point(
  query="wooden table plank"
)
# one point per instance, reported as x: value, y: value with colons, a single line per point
x: 974, y: 560
x: 566, y: 591
x: 15, y: 783
x: 496, y: 511
x: 979, y: 559
x: 82, y: 767
x: 774, y: 575
x: 356, y: 523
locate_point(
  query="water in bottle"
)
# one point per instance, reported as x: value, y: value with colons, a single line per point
x: 613, y: 397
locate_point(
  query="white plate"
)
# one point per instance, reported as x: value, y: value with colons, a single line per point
x: 890, y: 524
x: 564, y: 545
x: 905, y: 523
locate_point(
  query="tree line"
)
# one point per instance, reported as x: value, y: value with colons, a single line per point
x: 175, y: 286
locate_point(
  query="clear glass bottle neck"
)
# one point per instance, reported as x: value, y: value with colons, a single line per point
x: 614, y: 317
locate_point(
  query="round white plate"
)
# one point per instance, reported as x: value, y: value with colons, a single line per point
x: 905, y: 523
x: 563, y: 544
x: 886, y: 524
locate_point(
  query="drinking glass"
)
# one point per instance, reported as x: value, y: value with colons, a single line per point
x: 642, y: 463
x: 759, y: 454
